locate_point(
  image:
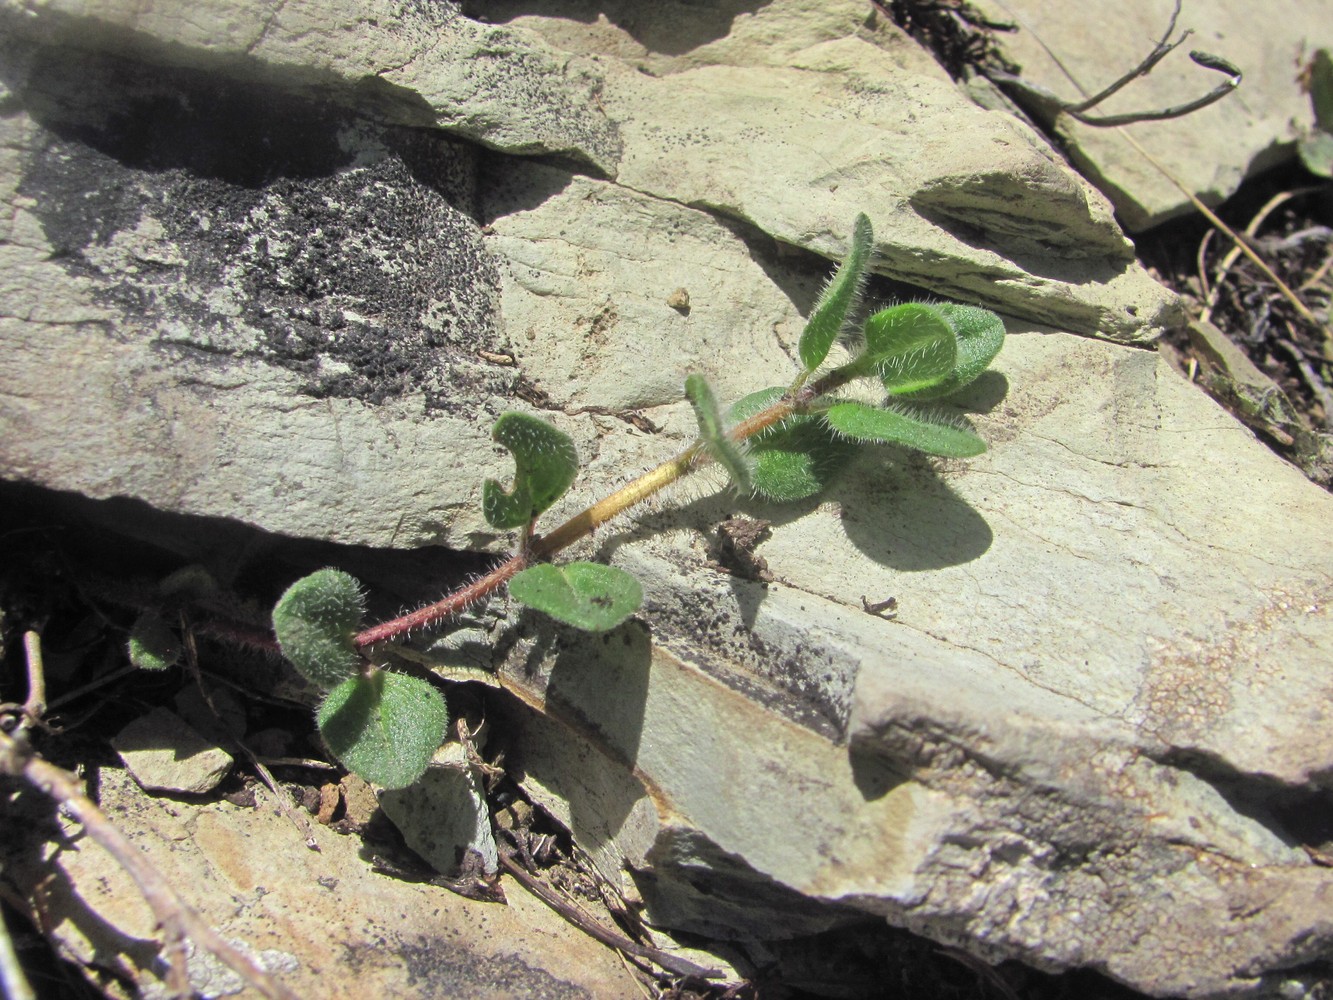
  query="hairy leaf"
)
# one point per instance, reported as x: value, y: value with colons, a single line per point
x: 546, y: 463
x: 756, y: 402
x: 188, y: 583
x: 385, y: 727
x: 799, y: 461
x: 979, y: 334
x: 794, y: 459
x: 1316, y: 147
x: 723, y: 450
x: 153, y: 643
x: 590, y: 596
x: 932, y: 433
x: 315, y: 621
x: 910, y: 346
x: 838, y: 298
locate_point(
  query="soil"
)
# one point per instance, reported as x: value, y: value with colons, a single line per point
x: 1286, y: 214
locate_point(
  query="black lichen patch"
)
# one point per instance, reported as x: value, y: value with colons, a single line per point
x: 445, y: 968
x: 248, y: 222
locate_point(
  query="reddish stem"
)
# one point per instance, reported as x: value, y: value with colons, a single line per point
x: 442, y: 609
x: 245, y: 636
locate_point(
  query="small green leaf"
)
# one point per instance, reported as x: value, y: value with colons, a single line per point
x: 315, y: 621
x: 910, y: 346
x: 188, y: 583
x: 794, y: 459
x: 839, y: 296
x: 546, y: 463
x: 723, y: 450
x: 979, y: 334
x: 1316, y: 147
x: 756, y: 402
x: 385, y: 727
x: 932, y: 433
x: 153, y: 643
x: 587, y: 595
x: 1316, y: 153
x: 799, y: 461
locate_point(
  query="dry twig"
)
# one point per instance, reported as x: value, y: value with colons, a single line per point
x: 672, y: 963
x: 1051, y: 105
x: 178, y: 921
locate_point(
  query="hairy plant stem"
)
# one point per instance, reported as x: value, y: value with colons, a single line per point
x: 586, y: 521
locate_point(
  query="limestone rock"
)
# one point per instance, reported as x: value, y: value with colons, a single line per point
x: 1091, y: 735
x: 802, y: 116
x: 416, y: 66
x: 1210, y: 151
x: 228, y: 347
x: 165, y: 755
x: 290, y: 285
x: 313, y: 918
x: 443, y: 815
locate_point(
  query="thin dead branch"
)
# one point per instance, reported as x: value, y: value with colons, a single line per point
x: 1316, y: 384
x: 1050, y: 105
x: 672, y: 963
x: 178, y: 921
x: 1234, y: 254
x: 13, y: 983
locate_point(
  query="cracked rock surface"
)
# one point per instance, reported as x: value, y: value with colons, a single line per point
x: 1212, y: 150
x: 285, y: 264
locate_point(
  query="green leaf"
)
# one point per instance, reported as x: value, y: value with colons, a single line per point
x: 800, y: 460
x: 794, y: 459
x: 979, y: 334
x: 546, y: 464
x: 910, y: 346
x: 315, y: 621
x: 756, y: 402
x: 153, y: 643
x: 723, y: 450
x: 932, y: 433
x: 839, y: 296
x: 385, y: 727
x: 587, y: 595
x: 188, y: 583
x: 1316, y: 152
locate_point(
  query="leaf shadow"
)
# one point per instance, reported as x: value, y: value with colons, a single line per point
x: 906, y: 516
x: 594, y: 688
x: 896, y: 507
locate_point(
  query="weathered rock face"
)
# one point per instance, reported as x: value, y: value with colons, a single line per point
x: 285, y: 267
x: 1092, y: 734
x: 1210, y: 151
x: 316, y: 919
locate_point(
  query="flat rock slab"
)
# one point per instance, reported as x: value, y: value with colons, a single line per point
x: 1092, y: 733
x: 1211, y: 150
x: 804, y: 113
x: 313, y: 918
x: 165, y: 754
x: 443, y: 816
x: 853, y: 118
x: 1101, y: 709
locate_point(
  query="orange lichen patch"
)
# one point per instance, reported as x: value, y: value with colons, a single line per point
x: 1190, y: 687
